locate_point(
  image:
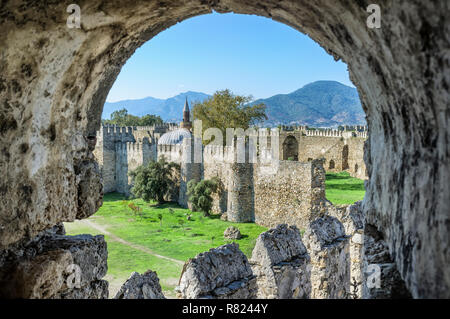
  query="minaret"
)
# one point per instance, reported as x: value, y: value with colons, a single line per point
x: 187, y: 124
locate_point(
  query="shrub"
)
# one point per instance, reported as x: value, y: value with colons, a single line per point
x: 135, y: 209
x: 200, y: 194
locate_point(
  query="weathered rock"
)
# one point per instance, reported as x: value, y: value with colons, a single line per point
x: 323, y: 232
x: 55, y: 266
x: 240, y: 289
x: 97, y: 289
x: 232, y: 233
x: 41, y: 277
x: 382, y: 279
x: 222, y: 272
x: 139, y: 286
x: 352, y: 219
x: 328, y: 248
x: 88, y: 252
x: 277, y: 245
x: 281, y: 264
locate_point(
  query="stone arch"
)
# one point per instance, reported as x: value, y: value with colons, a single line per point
x: 290, y: 148
x: 54, y: 81
x: 345, y: 158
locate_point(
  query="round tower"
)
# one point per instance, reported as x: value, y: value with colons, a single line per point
x: 240, y: 202
x: 188, y: 171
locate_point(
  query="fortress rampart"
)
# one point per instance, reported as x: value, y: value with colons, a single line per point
x: 279, y: 178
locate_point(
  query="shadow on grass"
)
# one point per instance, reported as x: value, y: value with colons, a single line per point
x: 337, y: 176
x: 349, y: 187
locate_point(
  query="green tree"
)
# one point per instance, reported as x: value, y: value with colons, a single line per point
x: 122, y: 118
x: 154, y: 181
x: 200, y: 194
x: 226, y: 110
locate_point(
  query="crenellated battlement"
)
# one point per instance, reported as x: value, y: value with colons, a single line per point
x: 324, y: 133
x: 169, y: 148
x: 363, y: 134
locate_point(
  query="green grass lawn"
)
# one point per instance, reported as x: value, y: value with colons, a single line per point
x: 167, y: 238
x: 341, y: 188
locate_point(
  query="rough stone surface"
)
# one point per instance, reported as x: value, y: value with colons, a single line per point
x: 54, y: 81
x: 328, y: 248
x: 139, y: 286
x: 323, y: 232
x: 241, y: 289
x: 88, y: 252
x: 97, y: 289
x: 278, y: 244
x: 232, y: 233
x: 225, y: 268
x: 44, y: 266
x: 388, y: 284
x: 352, y: 219
x: 281, y: 265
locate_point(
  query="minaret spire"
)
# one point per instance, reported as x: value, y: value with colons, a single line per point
x: 186, y: 106
x: 186, y: 116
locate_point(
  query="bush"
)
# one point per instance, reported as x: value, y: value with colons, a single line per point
x: 200, y: 194
x: 154, y: 181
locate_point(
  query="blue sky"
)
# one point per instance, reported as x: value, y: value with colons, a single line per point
x: 248, y: 54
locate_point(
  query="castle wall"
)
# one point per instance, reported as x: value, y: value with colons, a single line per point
x: 171, y: 153
x: 293, y: 194
x: 129, y: 156
x: 313, y: 147
x: 243, y: 187
x: 215, y: 167
x: 357, y: 167
x: 343, y: 151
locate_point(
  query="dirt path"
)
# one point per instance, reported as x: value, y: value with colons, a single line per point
x: 123, y: 241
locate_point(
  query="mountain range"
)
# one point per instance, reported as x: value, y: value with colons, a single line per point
x: 318, y: 104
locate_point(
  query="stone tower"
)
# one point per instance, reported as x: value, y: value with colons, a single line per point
x: 240, y: 201
x: 189, y: 170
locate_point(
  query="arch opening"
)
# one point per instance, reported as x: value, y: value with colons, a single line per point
x: 290, y: 149
x: 52, y: 106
